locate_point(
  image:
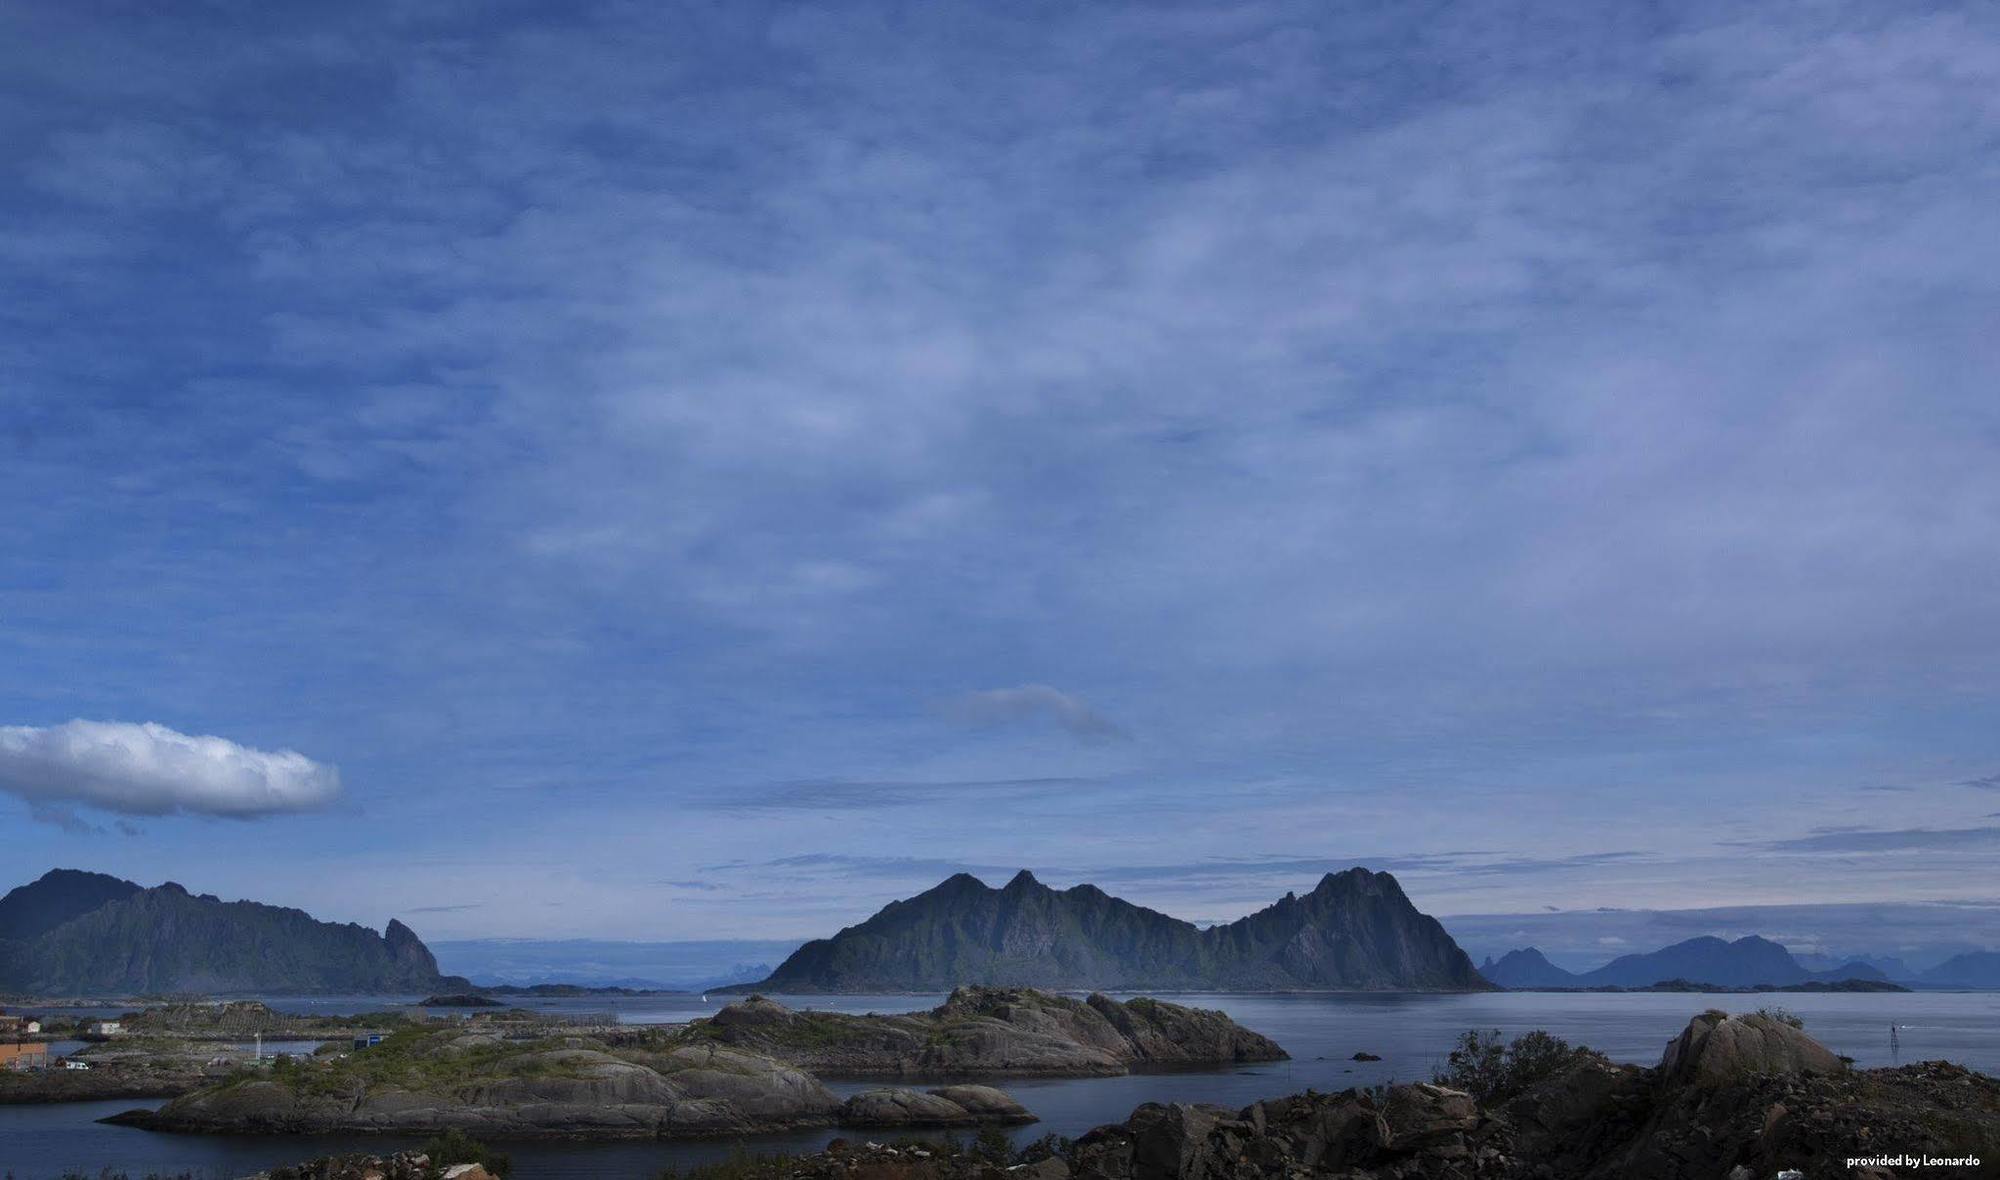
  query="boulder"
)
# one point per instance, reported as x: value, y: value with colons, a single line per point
x: 1717, y: 1048
x: 950, y: 1106
x: 1424, y: 1115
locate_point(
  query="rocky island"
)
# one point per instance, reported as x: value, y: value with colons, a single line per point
x: 992, y: 1032
x: 750, y: 1069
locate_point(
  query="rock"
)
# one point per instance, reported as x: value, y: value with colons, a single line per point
x: 987, y: 1103
x: 467, y: 1172
x: 569, y: 1086
x: 1424, y: 1115
x: 1172, y: 1141
x: 951, y: 1106
x: 997, y: 1031
x: 1717, y: 1048
x: 1364, y: 1055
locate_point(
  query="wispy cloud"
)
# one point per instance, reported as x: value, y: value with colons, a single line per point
x: 845, y: 795
x: 152, y: 770
x: 1886, y: 840
x: 1034, y: 703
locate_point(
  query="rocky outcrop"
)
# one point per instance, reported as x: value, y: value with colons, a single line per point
x: 950, y: 1106
x: 487, y: 1087
x: 1724, y: 1104
x: 1717, y: 1048
x: 653, y: 1086
x: 991, y: 1031
x: 1355, y: 931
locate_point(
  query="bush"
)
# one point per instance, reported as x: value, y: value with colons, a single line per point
x: 1782, y: 1015
x: 1492, y: 1071
x: 993, y: 1145
x: 456, y: 1147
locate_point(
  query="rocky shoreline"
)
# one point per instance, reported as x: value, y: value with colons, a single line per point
x: 1743, y: 1097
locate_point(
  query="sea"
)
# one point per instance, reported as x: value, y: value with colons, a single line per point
x: 1411, y: 1033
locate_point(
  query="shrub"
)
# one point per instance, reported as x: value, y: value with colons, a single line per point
x: 1781, y: 1015
x: 993, y: 1145
x: 456, y: 1147
x: 1492, y: 1071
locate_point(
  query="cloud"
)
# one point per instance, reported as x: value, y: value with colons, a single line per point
x: 152, y: 770
x: 1888, y: 840
x: 1032, y: 703
x: 857, y: 795
x: 1990, y: 782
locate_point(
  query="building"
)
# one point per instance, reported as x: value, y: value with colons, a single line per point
x: 17, y: 1055
x: 16, y: 1025
x: 106, y: 1028
x: 367, y: 1040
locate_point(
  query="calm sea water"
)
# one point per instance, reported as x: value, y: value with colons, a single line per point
x: 1411, y: 1033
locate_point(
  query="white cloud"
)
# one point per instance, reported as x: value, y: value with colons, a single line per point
x: 152, y: 770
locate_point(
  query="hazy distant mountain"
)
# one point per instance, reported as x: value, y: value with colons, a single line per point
x: 89, y: 934
x: 1526, y: 968
x: 685, y: 965
x: 1746, y: 962
x: 1356, y: 930
x: 1975, y: 969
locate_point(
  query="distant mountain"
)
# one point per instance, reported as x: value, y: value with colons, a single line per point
x: 1747, y: 962
x: 1355, y: 931
x: 89, y: 934
x: 1974, y: 969
x: 1526, y: 968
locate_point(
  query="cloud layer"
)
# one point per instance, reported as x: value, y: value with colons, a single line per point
x: 1525, y: 428
x: 149, y: 769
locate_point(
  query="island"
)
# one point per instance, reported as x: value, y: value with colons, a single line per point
x: 752, y: 1068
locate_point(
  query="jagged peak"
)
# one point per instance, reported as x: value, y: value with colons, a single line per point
x: 1023, y: 880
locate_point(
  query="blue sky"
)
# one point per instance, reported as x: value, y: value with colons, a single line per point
x: 700, y: 471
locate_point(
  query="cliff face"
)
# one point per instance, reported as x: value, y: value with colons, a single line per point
x: 1356, y: 930
x: 165, y: 939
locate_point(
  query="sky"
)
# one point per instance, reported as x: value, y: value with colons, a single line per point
x: 701, y: 471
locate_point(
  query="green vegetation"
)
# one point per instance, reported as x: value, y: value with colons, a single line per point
x: 1492, y: 1070
x: 414, y: 1058
x: 456, y: 1147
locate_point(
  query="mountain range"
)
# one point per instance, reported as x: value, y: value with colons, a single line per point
x: 1750, y: 961
x: 78, y: 933
x: 1355, y: 931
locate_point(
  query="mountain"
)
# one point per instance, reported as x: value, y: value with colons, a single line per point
x: 1747, y: 962
x: 1355, y: 931
x: 88, y: 934
x: 1744, y: 963
x: 57, y: 896
x: 1526, y: 968
x: 1975, y: 969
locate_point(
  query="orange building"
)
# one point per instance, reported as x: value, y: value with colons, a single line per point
x: 23, y: 1056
